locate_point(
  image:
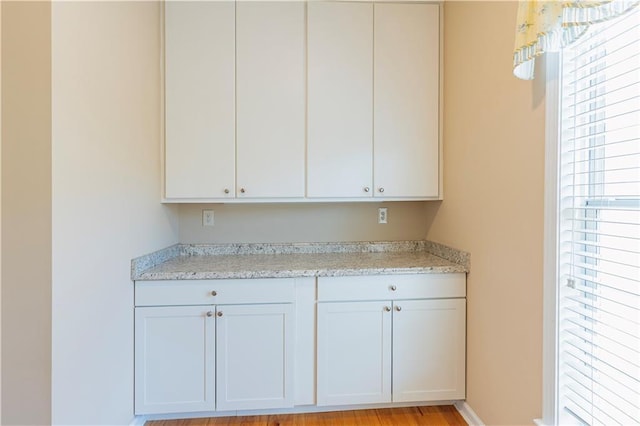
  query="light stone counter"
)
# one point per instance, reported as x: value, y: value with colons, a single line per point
x: 217, y: 261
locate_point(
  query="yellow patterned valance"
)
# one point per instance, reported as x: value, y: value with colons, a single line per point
x: 548, y: 26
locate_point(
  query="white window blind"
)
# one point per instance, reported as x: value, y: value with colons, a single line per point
x: 599, y: 227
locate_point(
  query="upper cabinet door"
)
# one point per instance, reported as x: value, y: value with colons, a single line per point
x: 406, y: 87
x: 340, y: 99
x: 270, y: 99
x: 199, y: 99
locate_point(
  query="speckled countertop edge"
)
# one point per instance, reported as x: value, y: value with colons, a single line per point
x: 142, y: 264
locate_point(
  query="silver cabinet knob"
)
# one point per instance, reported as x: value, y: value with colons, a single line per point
x: 381, y: 190
x: 226, y: 190
x: 393, y: 288
x: 398, y: 308
x: 387, y: 309
x: 242, y: 191
x: 366, y: 189
x: 214, y: 293
x: 209, y: 314
x: 220, y: 313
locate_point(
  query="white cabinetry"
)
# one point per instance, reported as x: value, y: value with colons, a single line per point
x: 409, y: 347
x: 174, y: 359
x: 373, y: 105
x: 340, y: 99
x: 428, y: 350
x: 199, y: 41
x: 317, y: 100
x: 270, y: 99
x: 254, y: 356
x: 232, y: 349
x: 406, y: 92
x: 354, y: 353
x: 234, y: 100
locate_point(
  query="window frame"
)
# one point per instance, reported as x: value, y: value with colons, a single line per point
x: 552, y: 67
x: 550, y: 316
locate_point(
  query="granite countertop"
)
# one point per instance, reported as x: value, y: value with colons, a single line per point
x: 217, y: 261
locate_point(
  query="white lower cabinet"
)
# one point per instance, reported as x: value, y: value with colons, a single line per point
x: 218, y: 356
x: 428, y: 350
x: 247, y: 344
x: 396, y: 350
x: 354, y: 353
x: 174, y: 359
x: 254, y: 356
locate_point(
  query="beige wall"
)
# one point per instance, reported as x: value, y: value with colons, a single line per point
x: 303, y: 222
x: 26, y: 213
x: 493, y: 207
x: 106, y: 189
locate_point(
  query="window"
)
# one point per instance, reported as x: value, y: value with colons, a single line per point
x: 598, y: 227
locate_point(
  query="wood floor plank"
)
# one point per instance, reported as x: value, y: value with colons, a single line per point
x: 453, y: 416
x: 394, y: 416
x: 445, y: 415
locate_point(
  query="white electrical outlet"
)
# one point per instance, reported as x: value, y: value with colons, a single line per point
x: 382, y: 215
x: 207, y: 218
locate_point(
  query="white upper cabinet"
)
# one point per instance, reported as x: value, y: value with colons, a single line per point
x: 289, y: 101
x: 406, y: 88
x: 199, y: 41
x: 271, y: 82
x: 340, y: 99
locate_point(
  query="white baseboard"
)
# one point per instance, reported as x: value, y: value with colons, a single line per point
x: 138, y: 421
x: 468, y: 414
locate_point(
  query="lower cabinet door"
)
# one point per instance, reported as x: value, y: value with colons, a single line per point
x: 254, y: 359
x: 174, y: 359
x: 428, y: 350
x: 354, y: 353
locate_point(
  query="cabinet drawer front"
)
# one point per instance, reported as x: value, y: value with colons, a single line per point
x: 201, y: 292
x: 391, y: 287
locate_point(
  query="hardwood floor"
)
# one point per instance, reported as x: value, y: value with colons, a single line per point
x: 445, y: 415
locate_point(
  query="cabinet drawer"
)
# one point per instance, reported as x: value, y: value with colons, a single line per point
x: 391, y: 287
x: 201, y: 292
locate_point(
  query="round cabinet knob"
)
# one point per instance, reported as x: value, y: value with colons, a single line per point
x: 214, y: 293
x: 381, y: 190
x: 226, y: 190
x: 387, y: 309
x: 366, y: 189
x: 393, y: 288
x: 242, y: 191
x: 220, y: 313
x: 209, y: 314
x: 398, y: 308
